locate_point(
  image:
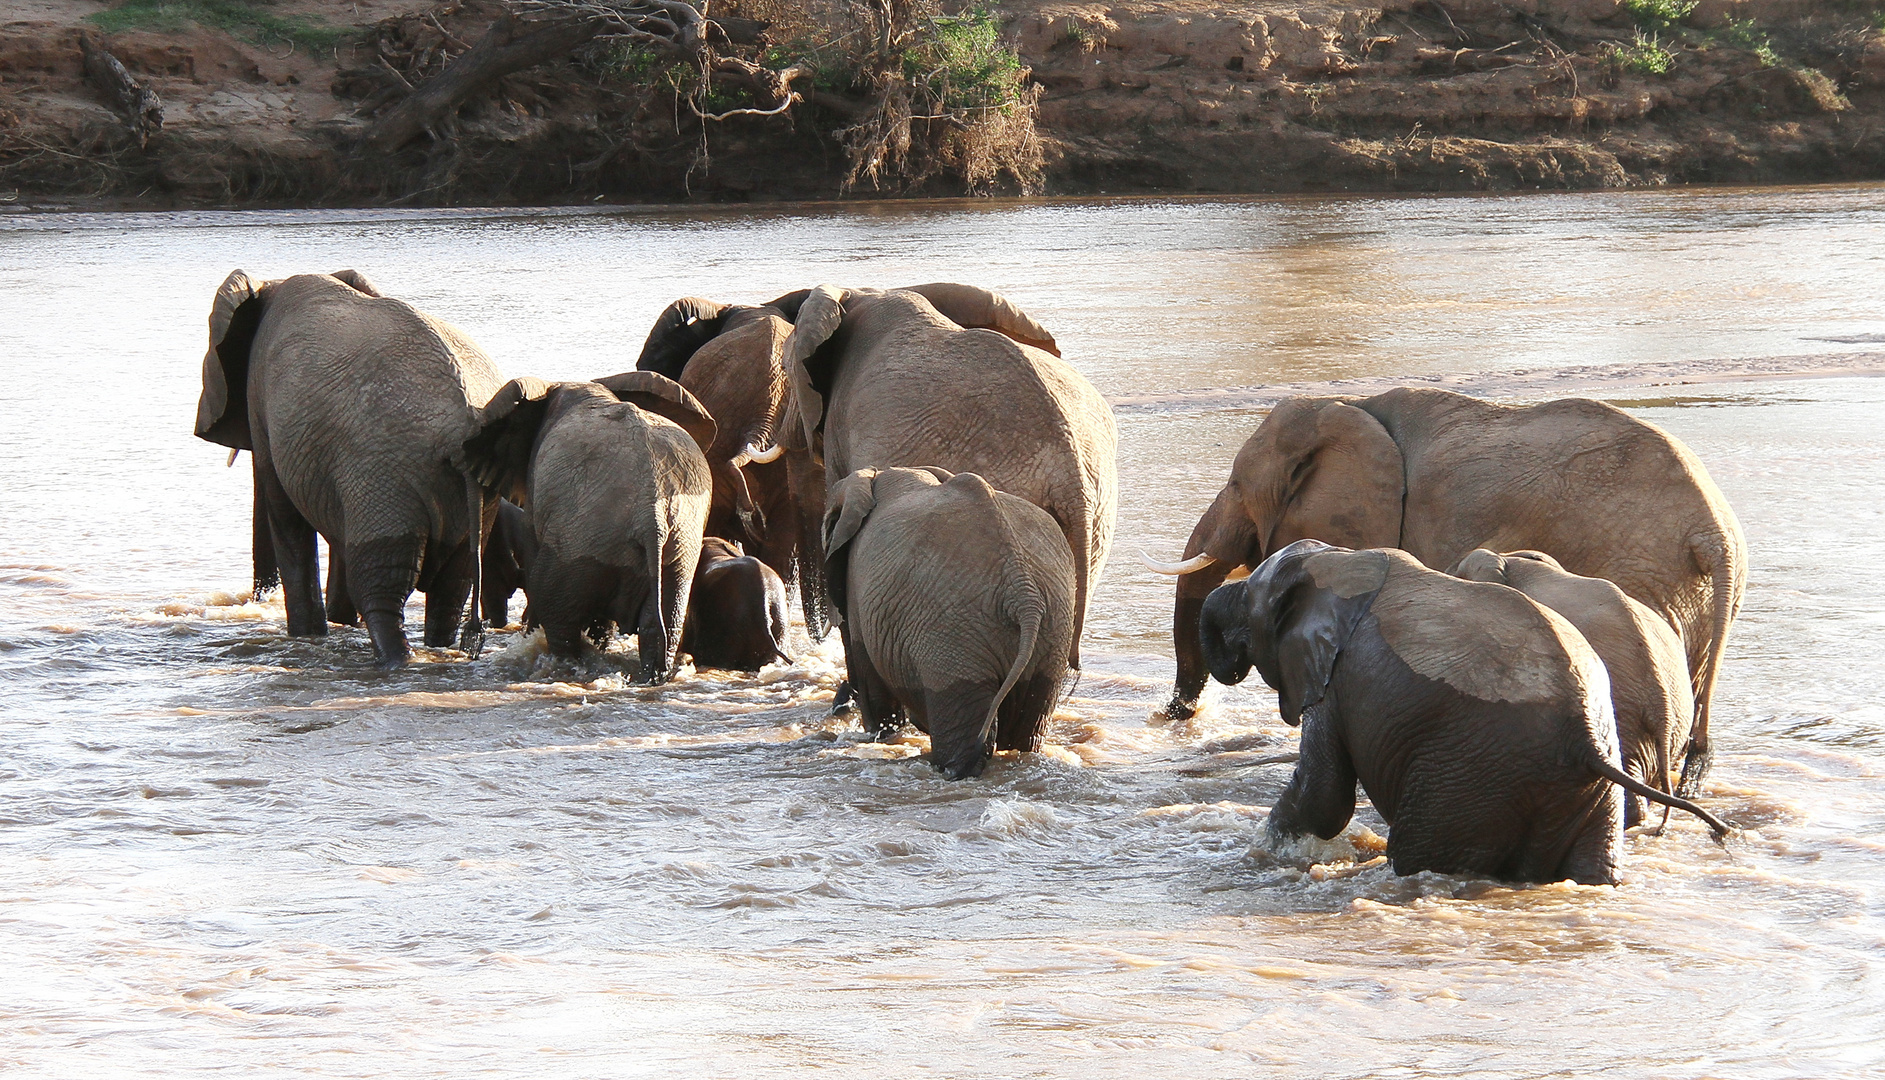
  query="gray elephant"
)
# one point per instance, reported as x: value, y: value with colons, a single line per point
x: 906, y: 377
x: 1478, y: 722
x: 353, y: 405
x: 616, y: 487
x: 955, y: 603
x: 736, y: 615
x: 1438, y: 474
x: 1649, y: 675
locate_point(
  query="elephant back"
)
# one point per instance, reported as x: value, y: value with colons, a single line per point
x: 605, y: 473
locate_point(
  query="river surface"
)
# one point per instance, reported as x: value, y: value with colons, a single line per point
x: 225, y: 852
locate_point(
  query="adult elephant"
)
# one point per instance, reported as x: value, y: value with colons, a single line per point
x: 912, y: 378
x: 1477, y: 721
x: 353, y: 405
x: 1438, y: 474
x: 729, y: 356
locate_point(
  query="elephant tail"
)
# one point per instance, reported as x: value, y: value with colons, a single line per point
x: 1726, y: 571
x: 1031, y: 614
x: 1631, y: 784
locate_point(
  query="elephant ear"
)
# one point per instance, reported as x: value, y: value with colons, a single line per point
x: 679, y: 332
x: 222, y: 412
x: 356, y: 281
x: 1312, y: 597
x: 789, y: 304
x: 808, y: 363
x: 498, y: 456
x: 1321, y: 469
x: 974, y: 308
x: 845, y: 510
x: 1480, y: 564
x: 664, y: 397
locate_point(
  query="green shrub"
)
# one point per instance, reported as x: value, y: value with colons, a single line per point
x: 1656, y: 16
x: 625, y: 62
x: 965, y: 64
x: 240, y: 17
x: 1744, y: 34
x: 1644, y: 56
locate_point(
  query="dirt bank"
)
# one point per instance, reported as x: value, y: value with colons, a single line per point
x: 1144, y: 96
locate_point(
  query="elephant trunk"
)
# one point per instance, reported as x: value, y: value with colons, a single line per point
x: 1226, y: 534
x: 806, y: 480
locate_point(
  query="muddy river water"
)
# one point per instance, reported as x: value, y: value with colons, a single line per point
x: 225, y: 852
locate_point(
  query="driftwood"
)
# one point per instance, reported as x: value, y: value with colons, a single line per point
x: 142, y: 108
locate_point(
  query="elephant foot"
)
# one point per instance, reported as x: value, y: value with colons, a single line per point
x: 1176, y: 710
x: 388, y: 632
x: 1695, y: 765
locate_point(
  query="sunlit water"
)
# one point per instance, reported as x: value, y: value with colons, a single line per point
x: 223, y: 851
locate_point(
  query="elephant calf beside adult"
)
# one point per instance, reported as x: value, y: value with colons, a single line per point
x: 352, y: 405
x: 1478, y: 722
x: 957, y: 378
x: 1438, y: 474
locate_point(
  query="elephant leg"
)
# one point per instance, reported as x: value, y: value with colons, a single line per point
x: 960, y: 741
x: 1030, y: 703
x: 380, y: 575
x: 876, y: 706
x: 261, y: 540
x: 497, y: 603
x: 340, y: 609
x: 651, y: 642
x: 1320, y: 798
x: 1596, y: 852
x: 445, y: 600
x: 296, y: 558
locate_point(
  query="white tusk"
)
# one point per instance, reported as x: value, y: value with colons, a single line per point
x: 762, y: 457
x: 231, y: 463
x: 1195, y: 563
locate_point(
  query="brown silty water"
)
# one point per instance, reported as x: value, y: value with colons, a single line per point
x: 225, y: 851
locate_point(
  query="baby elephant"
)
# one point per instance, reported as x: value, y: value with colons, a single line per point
x: 1478, y: 722
x: 616, y: 487
x: 1649, y: 672
x: 736, y: 615
x: 955, y: 605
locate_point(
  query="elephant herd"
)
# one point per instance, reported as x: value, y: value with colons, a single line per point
x: 1517, y: 637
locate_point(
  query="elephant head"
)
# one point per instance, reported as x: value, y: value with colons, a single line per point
x: 820, y: 321
x: 1291, y: 619
x: 1317, y: 468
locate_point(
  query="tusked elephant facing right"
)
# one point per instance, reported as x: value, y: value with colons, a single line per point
x: 1478, y: 721
x: 1438, y: 474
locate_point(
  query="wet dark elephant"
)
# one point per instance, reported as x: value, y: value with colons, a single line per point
x: 1649, y: 675
x: 508, y: 553
x: 1477, y: 721
x: 353, y: 405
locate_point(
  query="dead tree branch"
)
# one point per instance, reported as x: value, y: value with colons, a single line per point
x: 142, y: 109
